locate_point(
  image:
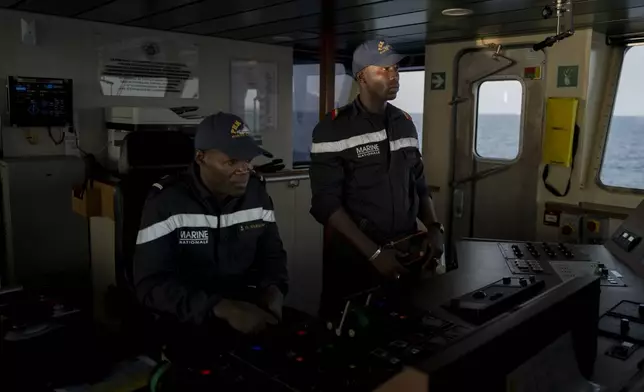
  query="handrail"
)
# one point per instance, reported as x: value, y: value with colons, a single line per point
x: 287, y: 175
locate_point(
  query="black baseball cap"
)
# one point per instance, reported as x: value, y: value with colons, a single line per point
x: 374, y: 52
x: 229, y: 134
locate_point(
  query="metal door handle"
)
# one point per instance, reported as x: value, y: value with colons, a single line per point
x: 293, y: 183
x: 458, y: 203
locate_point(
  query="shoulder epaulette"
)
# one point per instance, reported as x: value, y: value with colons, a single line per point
x: 336, y: 112
x: 407, y: 116
x: 260, y: 177
x: 164, y: 181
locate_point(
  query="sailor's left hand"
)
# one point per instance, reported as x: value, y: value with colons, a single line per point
x: 273, y: 299
x: 434, y: 245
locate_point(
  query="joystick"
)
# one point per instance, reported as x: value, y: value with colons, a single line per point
x: 624, y: 326
x: 479, y: 295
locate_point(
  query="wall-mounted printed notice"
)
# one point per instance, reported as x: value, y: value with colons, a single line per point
x: 149, y: 67
x: 253, y: 95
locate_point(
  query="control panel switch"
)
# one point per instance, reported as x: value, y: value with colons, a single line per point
x: 624, y: 326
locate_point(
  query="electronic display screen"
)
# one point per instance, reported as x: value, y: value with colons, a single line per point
x: 40, y: 102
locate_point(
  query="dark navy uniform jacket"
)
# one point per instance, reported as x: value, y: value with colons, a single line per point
x: 192, y: 250
x: 371, y: 166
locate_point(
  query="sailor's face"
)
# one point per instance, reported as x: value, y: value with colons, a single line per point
x: 382, y: 82
x: 223, y: 174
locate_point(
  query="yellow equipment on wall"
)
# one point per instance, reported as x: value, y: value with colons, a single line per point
x: 561, y: 116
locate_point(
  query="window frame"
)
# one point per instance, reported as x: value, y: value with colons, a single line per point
x: 606, y: 130
x: 476, y: 90
x: 418, y: 68
x: 301, y: 165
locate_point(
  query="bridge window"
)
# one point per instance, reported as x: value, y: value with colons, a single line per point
x: 411, y: 97
x: 499, y: 105
x: 623, y: 160
x: 306, y: 105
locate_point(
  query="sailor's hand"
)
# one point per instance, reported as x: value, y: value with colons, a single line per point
x: 387, y: 264
x: 245, y: 317
x: 273, y: 299
x: 433, y: 244
x: 429, y: 268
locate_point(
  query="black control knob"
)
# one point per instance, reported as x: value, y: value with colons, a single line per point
x: 640, y: 310
x: 523, y: 282
x: 507, y: 280
x: 624, y: 326
x: 532, y: 279
x: 479, y: 294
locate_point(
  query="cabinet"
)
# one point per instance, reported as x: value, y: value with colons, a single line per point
x: 46, y: 243
x: 302, y: 237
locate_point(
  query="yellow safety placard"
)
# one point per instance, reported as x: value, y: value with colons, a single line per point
x: 561, y: 116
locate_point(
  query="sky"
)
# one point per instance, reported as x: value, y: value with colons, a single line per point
x: 630, y: 92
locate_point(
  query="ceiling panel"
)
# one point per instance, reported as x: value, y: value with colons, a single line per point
x: 409, y: 24
x: 282, y: 12
x: 277, y: 12
x: 385, y: 23
x: 343, y: 16
x: 201, y: 11
x: 581, y: 9
x: 122, y: 11
x: 65, y: 8
x: 292, y: 36
x: 8, y: 3
x: 618, y: 28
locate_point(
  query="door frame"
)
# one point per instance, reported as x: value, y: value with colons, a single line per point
x: 449, y: 237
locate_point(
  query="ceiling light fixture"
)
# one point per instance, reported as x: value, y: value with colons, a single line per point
x: 457, y: 12
x: 282, y: 38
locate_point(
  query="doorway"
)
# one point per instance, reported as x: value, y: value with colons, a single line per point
x: 498, y: 111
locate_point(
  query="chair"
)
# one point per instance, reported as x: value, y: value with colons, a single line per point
x: 146, y: 156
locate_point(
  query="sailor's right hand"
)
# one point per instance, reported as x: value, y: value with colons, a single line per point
x: 388, y: 265
x: 245, y: 317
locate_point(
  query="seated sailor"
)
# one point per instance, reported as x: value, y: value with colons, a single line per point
x: 208, y: 237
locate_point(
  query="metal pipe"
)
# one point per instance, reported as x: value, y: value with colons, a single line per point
x: 560, y: 11
x: 327, y: 59
x: 285, y: 177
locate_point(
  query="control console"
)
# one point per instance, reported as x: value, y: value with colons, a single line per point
x: 533, y: 258
x: 565, y: 260
x: 490, y: 301
x: 625, y: 322
x: 373, y: 344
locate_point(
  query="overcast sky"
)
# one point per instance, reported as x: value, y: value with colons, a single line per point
x: 630, y: 93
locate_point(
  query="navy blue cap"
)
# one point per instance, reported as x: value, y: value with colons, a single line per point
x: 374, y: 52
x: 229, y: 134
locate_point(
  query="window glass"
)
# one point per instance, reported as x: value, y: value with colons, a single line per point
x: 411, y: 97
x: 498, y: 119
x: 306, y: 105
x: 623, y: 160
